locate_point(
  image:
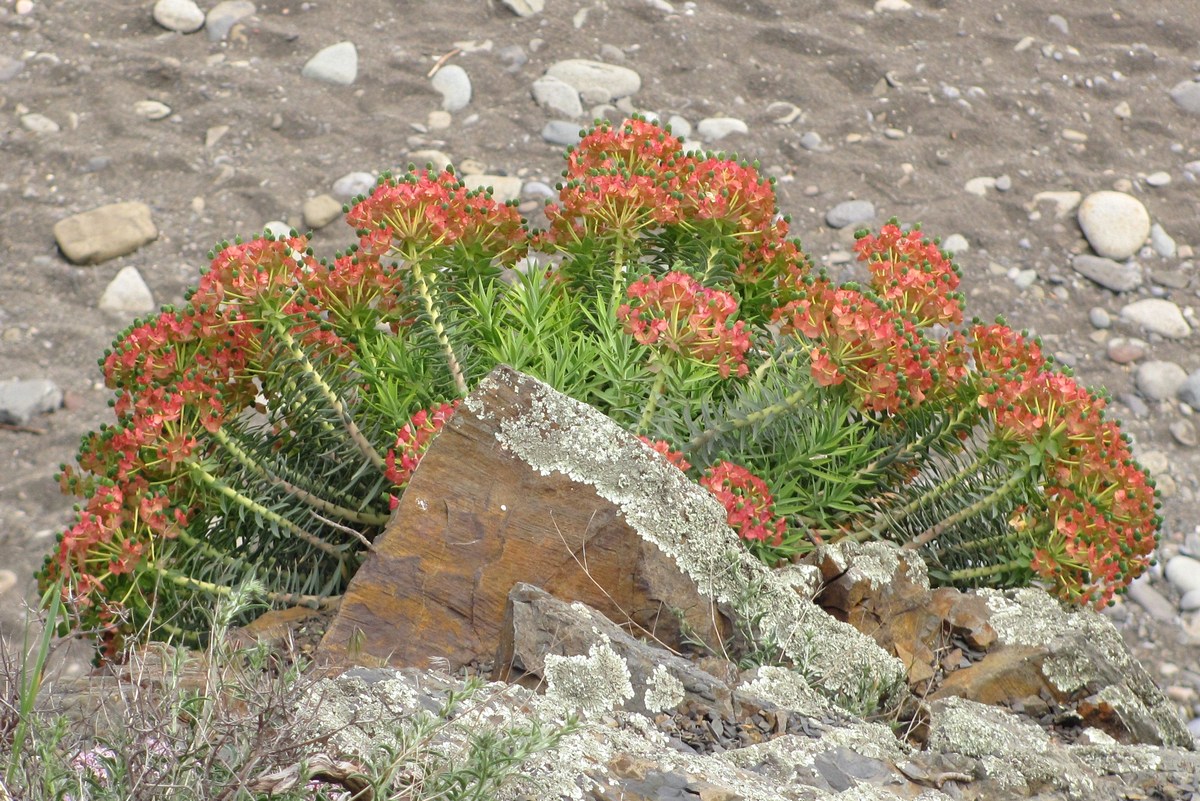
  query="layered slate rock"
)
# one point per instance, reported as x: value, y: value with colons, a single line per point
x: 475, y: 520
x: 526, y: 484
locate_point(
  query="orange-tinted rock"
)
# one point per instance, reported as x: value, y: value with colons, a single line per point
x: 1009, y: 673
x: 966, y: 614
x: 474, y: 521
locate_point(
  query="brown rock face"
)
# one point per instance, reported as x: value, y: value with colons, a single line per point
x: 474, y: 521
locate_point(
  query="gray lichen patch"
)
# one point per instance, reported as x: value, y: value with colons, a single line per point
x: 784, y: 756
x: 559, y: 434
x: 1116, y: 759
x: 876, y: 562
x: 590, y: 684
x: 358, y: 716
x: 787, y: 689
x: 1016, y: 754
x: 663, y: 691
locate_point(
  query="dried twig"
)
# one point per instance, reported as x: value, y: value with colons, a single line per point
x: 442, y: 61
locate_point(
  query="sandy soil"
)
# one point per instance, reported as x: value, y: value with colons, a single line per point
x: 910, y: 105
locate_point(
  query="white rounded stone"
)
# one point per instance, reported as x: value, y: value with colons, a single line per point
x: 127, y: 293
x: 181, y: 16
x: 454, y: 85
x: 337, y: 64
x: 1115, y: 224
x: 1184, y: 573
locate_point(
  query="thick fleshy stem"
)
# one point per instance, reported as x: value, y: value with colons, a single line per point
x: 320, y: 504
x: 297, y: 353
x: 208, y: 479
x: 439, y: 329
x: 753, y: 418
x: 656, y: 391
x: 967, y: 512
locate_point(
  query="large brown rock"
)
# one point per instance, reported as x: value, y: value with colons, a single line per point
x: 474, y: 521
x: 105, y: 233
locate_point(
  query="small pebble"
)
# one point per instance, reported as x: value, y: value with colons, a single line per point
x: 127, y: 294
x: 224, y: 15
x: 561, y: 132
x: 850, y: 212
x: 1003, y: 183
x: 8, y: 580
x: 39, y: 124
x: 1122, y: 111
x: 181, y: 16
x: 1126, y: 350
x: 320, y: 211
x: 1184, y: 573
x: 679, y: 126
x: 955, y: 244
x: 1189, y: 393
x: 1184, y: 433
x: 980, y: 186
x: 336, y: 64
x: 354, y: 184
x: 713, y: 129
x: 278, y: 229
x: 1099, y: 318
x: 1158, y: 316
x: 1162, y: 243
x: 1159, y: 178
x: 152, y: 109
x: 1159, y: 380
x: 454, y: 85
x: 1190, y: 601
x: 1111, y: 275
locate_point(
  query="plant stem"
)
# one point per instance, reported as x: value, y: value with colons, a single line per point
x: 288, y: 598
x: 892, y: 518
x: 753, y: 418
x: 439, y: 330
x: 618, y: 286
x: 933, y: 532
x: 331, y: 397
x: 328, y: 507
x: 968, y: 573
x: 207, y: 478
x: 656, y: 390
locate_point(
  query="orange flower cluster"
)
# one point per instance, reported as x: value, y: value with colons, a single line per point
x: 913, y: 275
x: 747, y: 501
x: 677, y: 314
x: 861, y: 340
x: 636, y: 178
x: 1101, y: 518
x: 425, y: 211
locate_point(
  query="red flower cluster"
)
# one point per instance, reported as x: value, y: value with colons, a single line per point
x: 913, y: 275
x: 676, y: 313
x: 636, y: 178
x: 673, y: 456
x: 747, y: 501
x: 422, y: 212
x: 412, y: 440
x: 875, y: 349
x: 1101, y: 517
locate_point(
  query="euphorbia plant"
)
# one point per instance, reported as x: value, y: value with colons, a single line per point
x: 266, y: 428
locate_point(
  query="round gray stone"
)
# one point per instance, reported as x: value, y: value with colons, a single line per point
x: 353, y: 184
x: 454, y: 85
x: 850, y: 212
x: 599, y: 82
x: 1158, y: 316
x: 21, y: 400
x: 1108, y: 273
x: 1099, y: 318
x: 557, y: 97
x: 336, y: 64
x: 1115, y: 224
x: 712, y: 129
x: 182, y: 16
x: 1159, y: 380
x: 561, y: 132
x: 10, y: 67
x: 1184, y: 433
x: 525, y: 8
x: 679, y: 126
x: 1186, y: 95
x: 955, y: 244
x: 1189, y: 392
x: 1184, y: 573
x: 224, y: 15
x: 1190, y: 602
